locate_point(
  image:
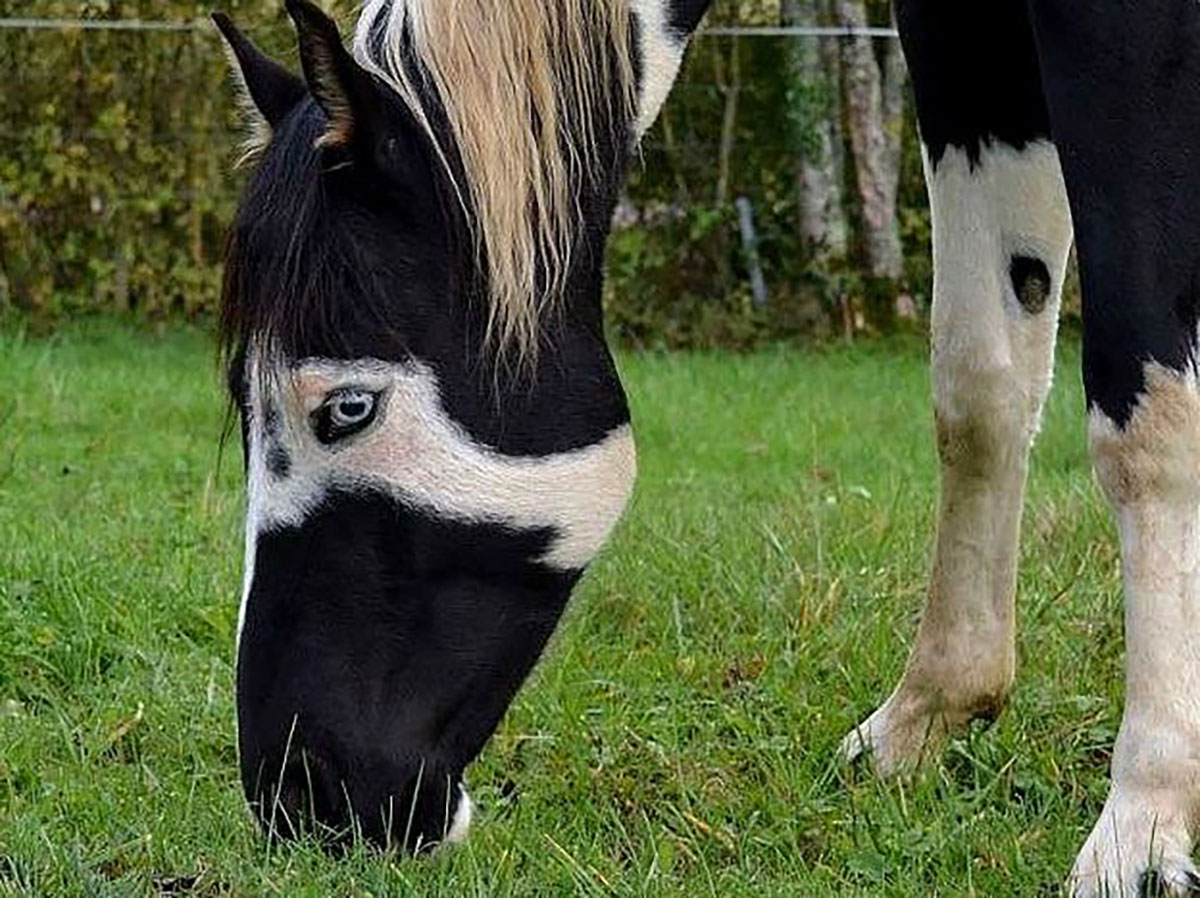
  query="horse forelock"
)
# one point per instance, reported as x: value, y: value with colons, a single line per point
x: 302, y: 278
x: 519, y: 103
x: 520, y: 99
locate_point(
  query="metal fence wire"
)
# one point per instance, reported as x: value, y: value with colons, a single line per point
x: 117, y: 185
x: 33, y: 24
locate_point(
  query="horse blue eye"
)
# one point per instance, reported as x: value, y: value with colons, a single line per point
x: 344, y: 413
x: 352, y: 409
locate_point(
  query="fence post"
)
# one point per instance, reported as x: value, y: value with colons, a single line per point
x: 758, y: 283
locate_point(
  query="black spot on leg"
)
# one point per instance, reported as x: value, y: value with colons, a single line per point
x: 279, y: 463
x: 1031, y: 282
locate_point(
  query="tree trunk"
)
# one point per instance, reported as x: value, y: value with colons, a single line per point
x: 874, y: 98
x: 729, y: 83
x: 895, y: 77
x: 683, y: 193
x: 815, y: 120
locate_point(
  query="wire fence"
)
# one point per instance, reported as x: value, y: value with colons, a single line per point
x: 23, y: 24
x: 31, y: 24
x: 116, y: 152
x: 204, y: 26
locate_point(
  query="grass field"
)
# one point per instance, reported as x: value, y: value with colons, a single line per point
x: 678, y: 739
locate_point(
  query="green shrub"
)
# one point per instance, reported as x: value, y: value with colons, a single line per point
x: 117, y: 185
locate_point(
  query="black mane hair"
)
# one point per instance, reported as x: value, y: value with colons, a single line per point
x: 367, y: 247
x: 323, y: 236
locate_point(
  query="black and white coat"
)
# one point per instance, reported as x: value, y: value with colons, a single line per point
x: 413, y: 532
x: 1034, y: 116
x: 416, y: 520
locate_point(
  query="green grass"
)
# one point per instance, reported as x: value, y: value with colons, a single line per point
x: 678, y: 738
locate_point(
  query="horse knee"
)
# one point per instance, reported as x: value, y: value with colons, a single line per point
x: 985, y: 423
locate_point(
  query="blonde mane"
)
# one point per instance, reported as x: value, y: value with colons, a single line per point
x: 520, y: 82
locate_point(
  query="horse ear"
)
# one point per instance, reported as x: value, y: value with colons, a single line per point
x: 342, y: 88
x: 269, y: 91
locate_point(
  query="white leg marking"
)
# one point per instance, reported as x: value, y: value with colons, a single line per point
x: 992, y: 365
x: 1150, y: 472
x: 662, y: 55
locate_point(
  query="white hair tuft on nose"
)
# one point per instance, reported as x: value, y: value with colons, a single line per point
x: 461, y: 825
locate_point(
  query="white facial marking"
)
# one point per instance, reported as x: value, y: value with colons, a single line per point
x: 1150, y: 471
x: 414, y: 452
x: 662, y: 55
x: 255, y: 472
x: 992, y: 364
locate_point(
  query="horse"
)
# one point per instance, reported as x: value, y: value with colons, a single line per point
x: 1068, y: 120
x: 437, y: 442
x: 435, y: 436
